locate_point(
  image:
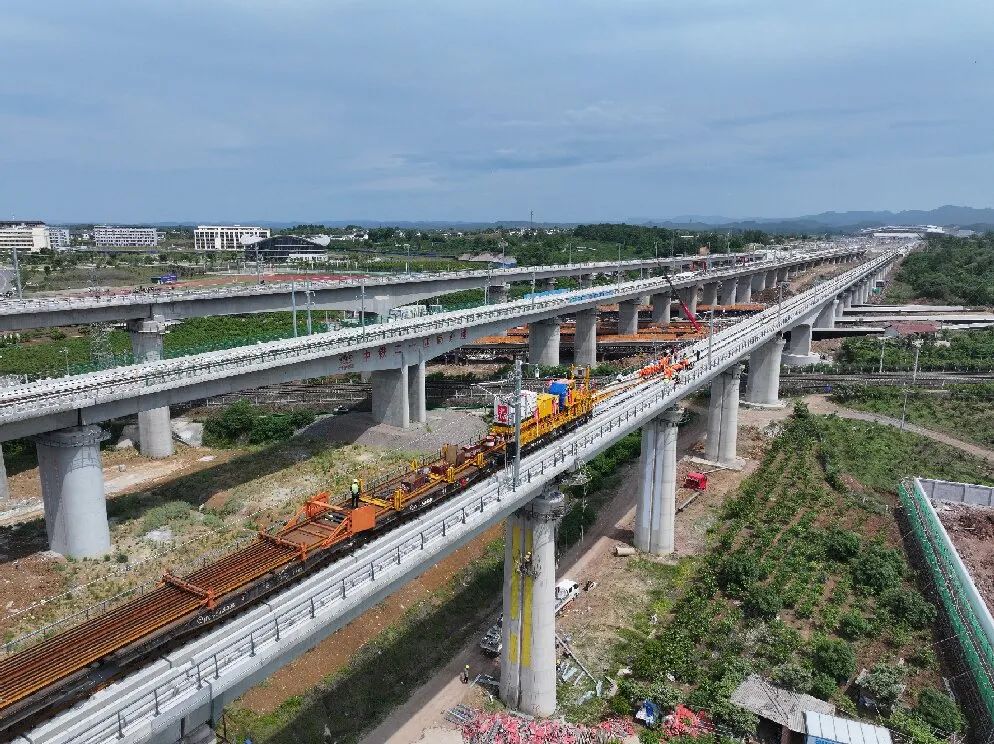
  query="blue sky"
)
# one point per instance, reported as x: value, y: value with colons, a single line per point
x: 144, y: 110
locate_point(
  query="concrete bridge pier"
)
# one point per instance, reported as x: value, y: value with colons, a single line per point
x: 759, y: 281
x: 771, y: 279
x: 628, y: 318
x: 528, y: 658
x: 661, y: 308
x: 391, y: 397
x: 585, y: 338
x: 548, y: 284
x: 799, y: 349
x: 543, y: 342
x: 783, y: 274
x: 723, y: 419
x: 656, y: 508
x: 743, y: 293
x: 4, y: 486
x: 689, y: 297
x: 763, y: 384
x: 846, y: 300
x: 586, y: 281
x: 826, y: 318
x: 840, y: 307
x: 709, y: 294
x: 728, y: 291
x: 498, y: 293
x: 72, y: 491
x: 155, y: 436
x: 416, y: 397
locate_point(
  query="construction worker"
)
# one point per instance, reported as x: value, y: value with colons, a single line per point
x: 465, y: 675
x: 355, y: 493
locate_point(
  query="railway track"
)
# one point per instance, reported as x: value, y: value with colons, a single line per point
x: 60, y: 669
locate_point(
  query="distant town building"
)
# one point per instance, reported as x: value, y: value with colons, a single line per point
x: 58, y: 237
x: 906, y: 231
x: 30, y: 237
x: 106, y: 236
x: 286, y: 248
x: 226, y: 237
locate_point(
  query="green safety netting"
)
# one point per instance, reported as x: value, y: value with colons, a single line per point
x: 972, y: 638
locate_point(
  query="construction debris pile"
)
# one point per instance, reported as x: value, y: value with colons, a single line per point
x: 506, y: 728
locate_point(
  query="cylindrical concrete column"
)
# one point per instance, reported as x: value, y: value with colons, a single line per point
x: 689, y: 297
x: 4, y: 486
x: 661, y: 304
x: 391, y: 404
x: 847, y: 299
x: 709, y: 294
x: 586, y: 281
x: 798, y: 352
x: 656, y: 507
x: 548, y: 284
x: 72, y: 491
x: 628, y: 318
x: 771, y: 278
x: 543, y: 342
x: 416, y: 393
x: 155, y: 436
x: 783, y: 274
x: 713, y: 439
x: 585, y: 338
x: 826, y: 318
x: 727, y: 291
x: 759, y: 281
x: 743, y: 293
x: 763, y: 385
x: 528, y: 654
x: 840, y: 307
x: 729, y: 433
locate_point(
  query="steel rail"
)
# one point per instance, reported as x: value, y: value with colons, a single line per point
x: 134, y: 710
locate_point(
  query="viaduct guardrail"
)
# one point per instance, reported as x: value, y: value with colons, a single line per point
x: 48, y: 405
x: 190, y: 686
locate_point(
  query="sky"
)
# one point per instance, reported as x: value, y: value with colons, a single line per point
x: 606, y: 110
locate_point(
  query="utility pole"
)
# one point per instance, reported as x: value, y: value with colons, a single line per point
x: 515, y: 472
x: 880, y: 368
x: 917, y: 343
x: 362, y: 306
x: 293, y: 305
x: 308, y: 307
x: 17, y: 275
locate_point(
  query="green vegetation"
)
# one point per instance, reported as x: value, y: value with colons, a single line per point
x: 388, y: 668
x: 804, y: 583
x: 962, y: 350
x: 243, y: 422
x: 952, y: 270
x: 963, y: 411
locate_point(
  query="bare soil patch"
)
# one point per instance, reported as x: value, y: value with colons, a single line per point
x: 971, y: 529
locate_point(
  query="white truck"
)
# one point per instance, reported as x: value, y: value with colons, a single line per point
x: 492, y: 642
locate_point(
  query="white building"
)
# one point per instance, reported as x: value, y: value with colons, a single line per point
x: 27, y: 237
x: 105, y: 236
x: 58, y: 237
x: 226, y: 237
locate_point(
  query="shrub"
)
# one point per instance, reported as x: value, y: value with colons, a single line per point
x: 794, y: 677
x: 834, y: 657
x: 877, y: 569
x: 230, y: 425
x: 823, y: 686
x: 738, y: 572
x: 908, y: 607
x: 841, y: 545
x: 939, y: 712
x: 762, y: 602
x: 853, y: 624
x: 160, y: 516
x: 884, y: 683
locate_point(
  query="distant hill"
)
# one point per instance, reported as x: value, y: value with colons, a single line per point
x: 948, y: 216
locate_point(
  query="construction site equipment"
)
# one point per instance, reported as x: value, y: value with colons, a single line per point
x: 686, y: 310
x: 492, y: 643
x: 696, y: 481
